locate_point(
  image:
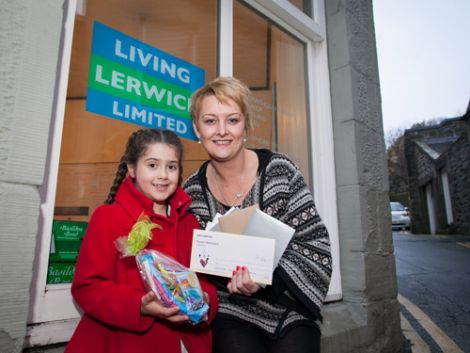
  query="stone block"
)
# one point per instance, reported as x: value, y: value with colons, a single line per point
x: 342, y: 94
x: 381, y: 280
x: 337, y: 40
x: 19, y: 212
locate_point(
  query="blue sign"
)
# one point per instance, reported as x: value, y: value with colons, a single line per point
x: 134, y: 82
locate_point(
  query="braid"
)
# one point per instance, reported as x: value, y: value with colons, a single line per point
x: 118, y: 179
x: 136, y: 146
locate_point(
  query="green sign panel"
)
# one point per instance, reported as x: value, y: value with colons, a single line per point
x: 67, y: 238
x: 60, y: 272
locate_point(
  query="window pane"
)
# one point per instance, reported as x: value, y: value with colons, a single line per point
x: 304, y: 5
x: 272, y: 63
x: 92, y: 144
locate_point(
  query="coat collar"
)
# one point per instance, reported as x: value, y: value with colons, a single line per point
x: 135, y: 202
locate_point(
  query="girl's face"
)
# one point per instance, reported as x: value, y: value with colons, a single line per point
x: 221, y: 128
x: 156, y: 174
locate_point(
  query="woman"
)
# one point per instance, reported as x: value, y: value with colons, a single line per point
x: 281, y: 317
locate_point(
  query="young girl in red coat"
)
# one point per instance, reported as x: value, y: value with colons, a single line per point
x: 118, y: 315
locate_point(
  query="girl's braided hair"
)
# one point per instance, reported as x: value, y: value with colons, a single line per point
x: 136, y: 146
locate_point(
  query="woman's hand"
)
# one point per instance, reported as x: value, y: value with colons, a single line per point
x: 150, y: 305
x: 241, y: 282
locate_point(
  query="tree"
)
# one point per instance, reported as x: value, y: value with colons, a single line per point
x: 426, y: 123
x: 397, y: 168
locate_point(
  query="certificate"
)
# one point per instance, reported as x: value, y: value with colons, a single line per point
x: 218, y: 253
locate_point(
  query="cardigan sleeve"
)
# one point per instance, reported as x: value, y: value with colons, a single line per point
x: 305, y: 267
x: 94, y: 287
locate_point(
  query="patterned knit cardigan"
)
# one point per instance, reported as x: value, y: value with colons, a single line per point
x: 302, y: 277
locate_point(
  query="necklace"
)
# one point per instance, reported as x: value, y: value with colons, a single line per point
x: 238, y: 195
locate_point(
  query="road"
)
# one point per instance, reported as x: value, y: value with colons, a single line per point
x: 434, y: 288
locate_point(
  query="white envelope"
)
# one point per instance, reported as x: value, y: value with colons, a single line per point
x: 252, y: 221
x: 263, y: 225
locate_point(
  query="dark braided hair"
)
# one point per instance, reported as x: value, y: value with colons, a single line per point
x: 136, y: 146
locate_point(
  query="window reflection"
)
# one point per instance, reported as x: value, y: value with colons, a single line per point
x: 272, y: 63
x: 92, y: 145
x: 304, y: 5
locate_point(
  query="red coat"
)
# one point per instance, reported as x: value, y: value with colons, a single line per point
x: 109, y: 289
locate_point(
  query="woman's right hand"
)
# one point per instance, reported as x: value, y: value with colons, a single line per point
x: 151, y: 306
x: 241, y: 282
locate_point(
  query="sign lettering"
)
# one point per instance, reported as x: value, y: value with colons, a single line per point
x: 134, y: 82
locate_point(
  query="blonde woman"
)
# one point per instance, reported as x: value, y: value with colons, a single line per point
x: 282, y: 317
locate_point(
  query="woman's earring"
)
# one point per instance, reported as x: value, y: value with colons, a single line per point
x: 199, y: 141
x: 244, y: 139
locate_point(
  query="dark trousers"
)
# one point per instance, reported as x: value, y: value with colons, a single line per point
x: 235, y: 337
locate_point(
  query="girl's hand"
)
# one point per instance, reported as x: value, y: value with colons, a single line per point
x: 241, y: 282
x: 151, y: 306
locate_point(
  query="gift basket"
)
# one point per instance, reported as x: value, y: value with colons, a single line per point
x: 172, y: 283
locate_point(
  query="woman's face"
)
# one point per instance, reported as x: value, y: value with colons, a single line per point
x: 221, y: 128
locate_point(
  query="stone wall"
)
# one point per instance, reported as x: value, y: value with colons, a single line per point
x: 458, y: 161
x: 423, y: 169
x: 367, y: 319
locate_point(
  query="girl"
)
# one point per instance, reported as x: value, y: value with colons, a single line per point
x: 118, y: 315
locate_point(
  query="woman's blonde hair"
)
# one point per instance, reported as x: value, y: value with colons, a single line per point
x: 224, y: 88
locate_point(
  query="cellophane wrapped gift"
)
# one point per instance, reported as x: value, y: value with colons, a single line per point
x: 172, y: 283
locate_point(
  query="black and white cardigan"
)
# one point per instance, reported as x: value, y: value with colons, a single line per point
x: 301, y: 279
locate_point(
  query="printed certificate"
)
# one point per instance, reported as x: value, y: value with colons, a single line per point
x: 218, y: 253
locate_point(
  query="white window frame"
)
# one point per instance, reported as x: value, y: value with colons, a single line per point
x: 312, y: 31
x: 53, y: 315
x: 447, y: 198
x: 430, y: 207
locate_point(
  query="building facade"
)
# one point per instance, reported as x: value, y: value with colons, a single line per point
x: 438, y: 159
x: 312, y: 67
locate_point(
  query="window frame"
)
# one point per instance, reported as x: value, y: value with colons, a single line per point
x: 53, y: 315
x: 312, y: 32
x: 49, y: 322
x: 447, y: 197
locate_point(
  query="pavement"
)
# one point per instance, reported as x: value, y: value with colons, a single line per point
x: 420, y: 333
x: 412, y: 342
x: 437, y: 340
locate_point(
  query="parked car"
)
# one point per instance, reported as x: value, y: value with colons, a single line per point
x: 400, y: 216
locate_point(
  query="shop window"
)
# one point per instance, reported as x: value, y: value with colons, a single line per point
x: 272, y: 63
x: 85, y: 147
x: 91, y: 144
x: 304, y: 5
x: 288, y: 75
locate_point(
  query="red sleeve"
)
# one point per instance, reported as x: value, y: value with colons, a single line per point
x: 213, y: 299
x: 95, y: 288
